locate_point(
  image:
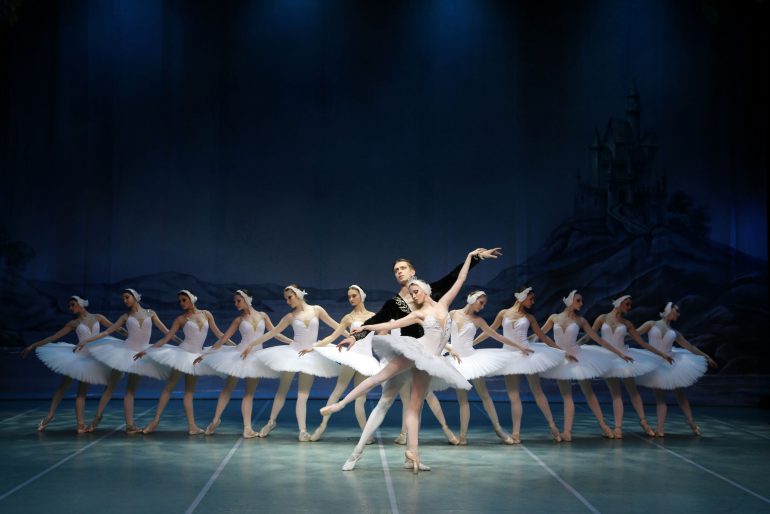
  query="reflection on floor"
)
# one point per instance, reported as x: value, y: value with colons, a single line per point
x: 58, y: 471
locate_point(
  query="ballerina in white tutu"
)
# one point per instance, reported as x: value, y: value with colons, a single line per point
x: 420, y: 356
x: 516, y: 322
x: 195, y: 323
x: 251, y: 324
x: 119, y: 354
x: 583, y: 364
x: 357, y: 364
x: 80, y: 366
x: 477, y: 364
x: 286, y: 359
x: 689, y: 364
x: 614, y: 328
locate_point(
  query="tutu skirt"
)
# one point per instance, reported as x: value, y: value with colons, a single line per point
x: 181, y: 360
x: 543, y: 359
x: 227, y: 360
x: 80, y: 366
x: 117, y: 355
x: 644, y: 362
x: 286, y: 358
x: 444, y: 374
x: 684, y: 372
x: 367, y: 365
x: 592, y: 363
x: 481, y: 363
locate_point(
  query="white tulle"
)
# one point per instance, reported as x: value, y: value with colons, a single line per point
x: 227, y: 359
x: 60, y: 358
x: 684, y: 372
x: 643, y: 363
x: 360, y: 357
x: 592, y: 362
x: 474, y: 363
x: 542, y: 359
x: 118, y: 355
x: 181, y: 357
x: 286, y: 357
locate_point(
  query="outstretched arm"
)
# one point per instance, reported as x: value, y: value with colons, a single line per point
x: 269, y: 326
x: 443, y: 284
x: 644, y: 344
x: 178, y: 323
x: 112, y: 328
x: 495, y: 326
x: 215, y: 329
x: 107, y: 323
x: 66, y: 329
x: 161, y: 326
x: 596, y: 326
x: 486, y: 330
x: 687, y: 345
x: 341, y: 329
x: 540, y: 333
x: 450, y: 295
x: 593, y: 335
x: 285, y: 321
x: 646, y: 326
x: 411, y: 319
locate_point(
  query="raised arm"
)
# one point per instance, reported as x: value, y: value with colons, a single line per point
x: 442, y: 285
x: 687, y: 345
x: 450, y: 295
x: 496, y: 324
x: 112, y: 328
x: 66, y: 329
x: 644, y: 344
x: 387, y: 312
x: 285, y: 322
x: 593, y: 335
x: 485, y: 329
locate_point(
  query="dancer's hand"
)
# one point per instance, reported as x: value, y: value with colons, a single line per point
x: 198, y: 360
x: 492, y: 253
x: 79, y: 347
x: 245, y: 353
x: 139, y: 355
x: 305, y: 351
x: 346, y: 343
x: 668, y: 359
x: 527, y: 351
x: 26, y: 351
x: 572, y: 358
x: 356, y: 330
x: 627, y: 358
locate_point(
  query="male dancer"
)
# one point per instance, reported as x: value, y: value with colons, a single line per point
x: 396, y: 308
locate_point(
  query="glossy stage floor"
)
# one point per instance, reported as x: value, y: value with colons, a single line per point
x: 724, y: 470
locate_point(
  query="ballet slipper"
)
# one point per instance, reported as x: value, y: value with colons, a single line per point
x: 44, y: 422
x: 248, y: 433
x: 317, y: 434
x: 463, y: 440
x: 212, y: 427
x: 516, y: 438
x: 149, y: 429
x: 617, y: 433
x: 269, y: 426
x: 371, y: 440
x: 401, y: 439
x: 303, y: 437
x: 331, y: 409
x: 82, y: 428
x: 694, y: 427
x: 606, y: 431
x: 646, y: 427
x: 502, y: 435
x: 555, y: 435
x: 133, y: 429
x: 195, y: 430
x: 450, y: 436
x: 94, y: 423
x: 413, y: 457
x: 423, y: 467
x: 350, y: 464
x: 660, y: 433
x: 566, y: 437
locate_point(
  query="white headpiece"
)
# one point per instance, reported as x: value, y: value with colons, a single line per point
x: 667, y: 310
x: 422, y: 285
x: 520, y: 297
x: 134, y: 293
x: 570, y: 298
x: 82, y: 302
x: 616, y: 303
x: 360, y: 291
x: 300, y: 294
x: 191, y: 296
x: 475, y: 296
x: 243, y: 295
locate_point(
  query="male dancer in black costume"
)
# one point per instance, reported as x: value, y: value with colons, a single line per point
x: 396, y: 308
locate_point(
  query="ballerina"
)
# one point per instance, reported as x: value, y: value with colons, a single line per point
x: 304, y: 321
x: 613, y: 326
x: 477, y: 364
x: 195, y: 323
x: 585, y: 362
x: 516, y: 322
x: 251, y: 324
x: 356, y: 364
x: 689, y: 364
x: 80, y: 366
x: 420, y: 356
x: 118, y: 354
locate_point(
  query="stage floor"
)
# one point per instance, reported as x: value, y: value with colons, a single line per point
x: 725, y: 470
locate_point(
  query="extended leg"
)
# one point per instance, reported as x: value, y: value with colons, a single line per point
x: 247, y: 404
x: 80, y: 407
x: 187, y: 402
x: 636, y: 402
x: 393, y: 368
x: 105, y: 399
x: 165, y: 396
x: 278, y: 401
x: 542, y: 402
x: 128, y: 403
x: 565, y: 388
x: 512, y: 386
x: 56, y: 399
x: 344, y: 378
x: 684, y: 404
x: 489, y: 408
x: 420, y: 385
x: 435, y: 408
x: 304, y: 383
x: 222, y: 401
x: 613, y: 384
x: 593, y: 404
x: 465, y: 414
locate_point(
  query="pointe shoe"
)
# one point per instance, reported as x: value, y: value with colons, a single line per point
x: 401, y: 439
x: 330, y: 409
x: 694, y: 427
x: 660, y: 434
x: 350, y: 464
x: 371, y: 440
x: 502, y: 435
x: 303, y: 437
x: 606, y: 431
x: 617, y: 433
x: 423, y: 467
x: 82, y: 428
x: 450, y: 436
x: 317, y: 434
x: 646, y: 427
x: 269, y: 426
x: 94, y: 423
x: 195, y: 431
x: 212, y: 427
x: 463, y: 440
x: 516, y: 438
x: 566, y: 437
x: 149, y: 429
x: 414, y: 460
x: 44, y: 423
x: 248, y: 433
x: 133, y: 429
x: 555, y: 435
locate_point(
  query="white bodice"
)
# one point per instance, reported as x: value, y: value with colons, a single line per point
x: 617, y: 337
x: 305, y: 333
x: 83, y: 332
x: 138, y: 333
x: 567, y: 339
x: 435, y: 338
x: 516, y: 331
x: 462, y: 338
x: 364, y: 346
x: 660, y: 341
x: 194, y: 336
x: 250, y: 333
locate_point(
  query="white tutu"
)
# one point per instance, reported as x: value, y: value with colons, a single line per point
x: 592, y: 363
x: 444, y: 374
x: 117, y: 355
x: 228, y: 360
x: 367, y: 365
x: 481, y: 363
x: 644, y: 362
x: 543, y: 359
x: 81, y: 366
x: 684, y: 372
x: 286, y: 358
x: 181, y: 360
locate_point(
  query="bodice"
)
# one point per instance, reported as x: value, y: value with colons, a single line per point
x: 462, y: 338
x: 249, y: 333
x: 139, y: 332
x: 660, y: 341
x: 84, y: 331
x: 516, y: 331
x: 305, y: 333
x: 194, y: 336
x: 615, y: 337
x: 435, y: 336
x: 566, y: 339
